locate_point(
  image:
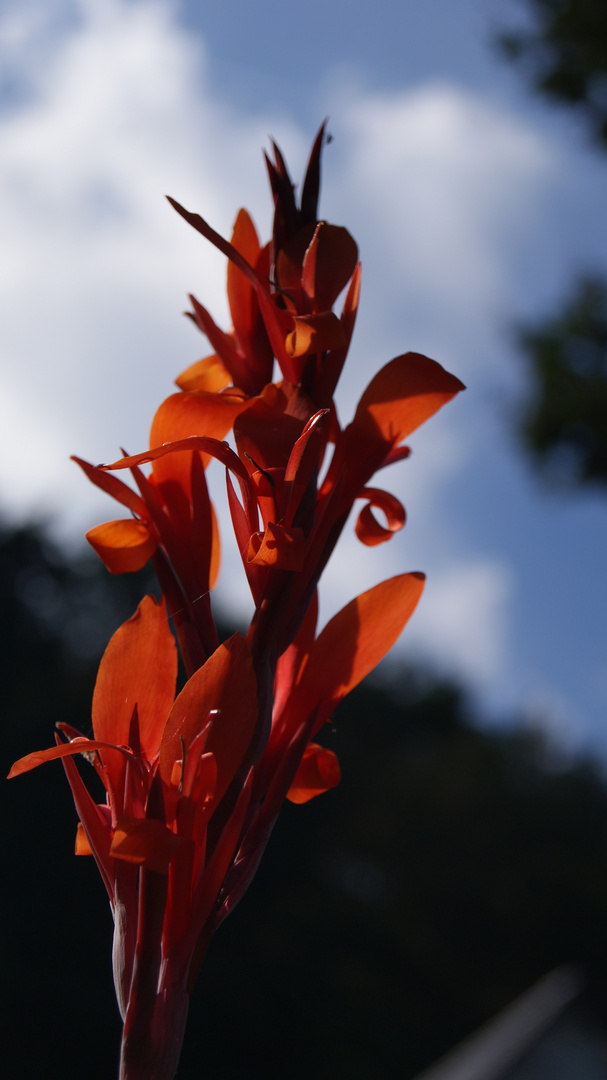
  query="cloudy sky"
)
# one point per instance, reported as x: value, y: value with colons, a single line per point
x: 473, y: 205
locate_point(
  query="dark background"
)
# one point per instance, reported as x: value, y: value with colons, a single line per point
x: 452, y: 868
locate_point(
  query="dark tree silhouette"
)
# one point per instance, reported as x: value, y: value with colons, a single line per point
x: 451, y: 868
x: 564, y: 54
x: 564, y: 423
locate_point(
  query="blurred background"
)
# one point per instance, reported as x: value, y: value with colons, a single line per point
x: 463, y: 855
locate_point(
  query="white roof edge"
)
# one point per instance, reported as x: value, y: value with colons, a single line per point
x: 503, y: 1040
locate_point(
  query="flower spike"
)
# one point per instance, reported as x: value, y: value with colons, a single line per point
x: 192, y: 781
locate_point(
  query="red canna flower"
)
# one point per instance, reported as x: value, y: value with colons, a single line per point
x: 194, y: 782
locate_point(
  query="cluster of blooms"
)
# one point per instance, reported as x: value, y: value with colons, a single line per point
x: 194, y: 782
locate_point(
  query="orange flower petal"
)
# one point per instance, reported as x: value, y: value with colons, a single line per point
x: 69, y: 749
x: 334, y: 362
x: 368, y: 529
x: 221, y: 697
x: 124, y: 545
x: 282, y: 548
x: 82, y: 846
x: 215, y: 551
x: 315, y: 333
x: 275, y: 319
x: 186, y: 414
x: 138, y: 669
x: 354, y: 641
x: 328, y: 264
x: 208, y: 374
x: 269, y: 425
x: 404, y: 394
x: 290, y: 258
x: 146, y: 842
x: 319, y: 771
x: 242, y: 298
x: 113, y: 486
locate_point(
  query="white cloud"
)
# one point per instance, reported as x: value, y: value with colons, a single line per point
x: 114, y: 109
x: 449, y: 181
x: 96, y: 265
x: 462, y: 621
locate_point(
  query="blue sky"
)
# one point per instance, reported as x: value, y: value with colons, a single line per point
x: 473, y: 204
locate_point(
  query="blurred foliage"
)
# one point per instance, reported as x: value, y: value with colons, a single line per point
x: 451, y: 868
x: 564, y: 423
x: 564, y: 53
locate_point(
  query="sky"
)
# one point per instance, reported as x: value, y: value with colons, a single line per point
x: 473, y: 204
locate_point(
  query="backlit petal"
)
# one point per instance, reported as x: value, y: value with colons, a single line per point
x: 124, y: 545
x: 82, y: 846
x: 208, y: 374
x: 355, y: 640
x: 75, y: 746
x: 138, y: 669
x: 221, y: 697
x: 319, y: 771
x: 404, y: 394
x: 183, y: 415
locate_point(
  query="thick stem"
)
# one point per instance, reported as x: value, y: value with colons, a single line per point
x: 155, y: 1020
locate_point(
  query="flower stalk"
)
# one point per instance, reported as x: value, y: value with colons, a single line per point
x: 194, y: 780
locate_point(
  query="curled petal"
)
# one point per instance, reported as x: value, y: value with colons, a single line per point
x: 146, y: 842
x: 319, y: 771
x: 124, y: 545
x: 315, y: 333
x: 368, y: 529
x: 267, y: 429
x: 82, y: 846
x: 187, y: 414
x: 282, y: 548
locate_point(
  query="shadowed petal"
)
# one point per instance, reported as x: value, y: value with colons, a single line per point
x: 404, y: 394
x: 315, y: 333
x: 282, y: 548
x: 328, y: 264
x: 368, y: 529
x: 146, y: 842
